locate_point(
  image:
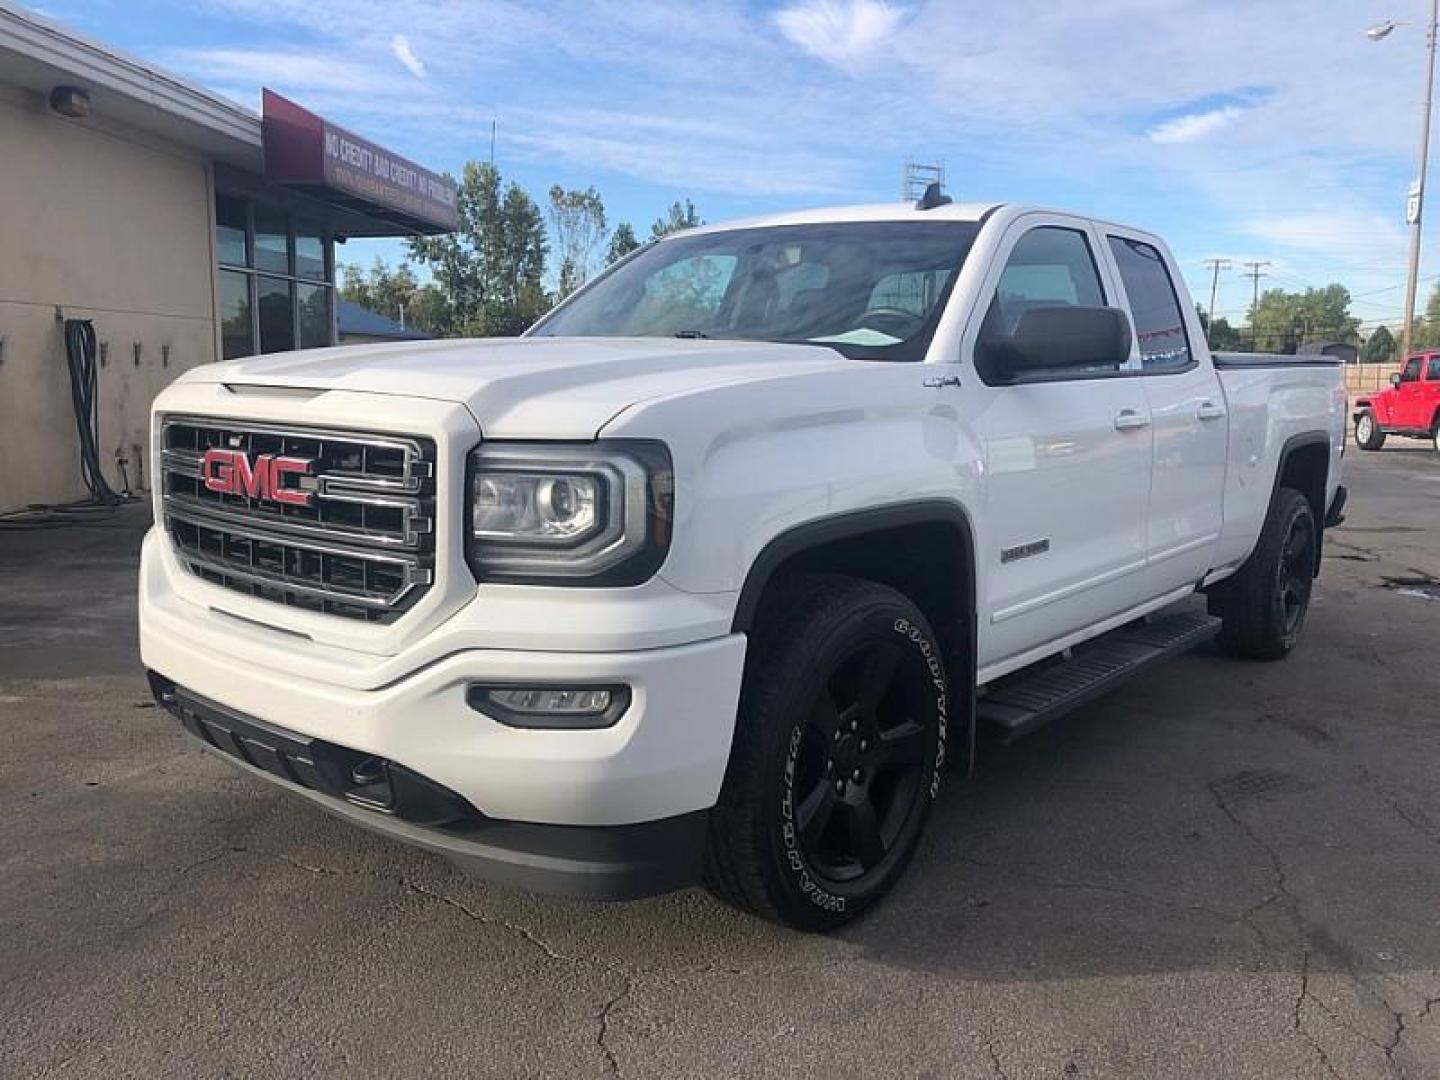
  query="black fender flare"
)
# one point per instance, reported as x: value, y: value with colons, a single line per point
x: 858, y: 523
x: 1292, y: 444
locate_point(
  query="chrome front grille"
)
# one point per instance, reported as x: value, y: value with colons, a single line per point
x: 363, y: 546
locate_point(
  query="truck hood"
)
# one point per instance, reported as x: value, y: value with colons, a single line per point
x: 525, y: 388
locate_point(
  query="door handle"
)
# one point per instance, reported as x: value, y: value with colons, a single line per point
x: 1130, y: 420
x: 1210, y: 411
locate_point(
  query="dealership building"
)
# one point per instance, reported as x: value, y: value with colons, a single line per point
x: 185, y: 229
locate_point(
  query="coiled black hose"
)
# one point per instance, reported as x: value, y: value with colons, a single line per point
x: 80, y: 359
x: 80, y: 356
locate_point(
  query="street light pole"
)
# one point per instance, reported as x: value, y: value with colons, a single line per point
x: 1432, y: 32
x: 1416, y: 204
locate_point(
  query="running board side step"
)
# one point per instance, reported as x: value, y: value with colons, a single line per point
x: 1018, y: 704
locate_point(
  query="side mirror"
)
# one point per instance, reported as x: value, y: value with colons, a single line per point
x: 1057, y: 339
x: 1395, y: 379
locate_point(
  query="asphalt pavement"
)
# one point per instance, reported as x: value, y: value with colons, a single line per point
x: 1223, y: 870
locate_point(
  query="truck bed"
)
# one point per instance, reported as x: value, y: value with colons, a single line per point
x: 1273, y: 360
x: 1274, y: 402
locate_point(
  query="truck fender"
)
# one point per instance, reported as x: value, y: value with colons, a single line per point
x: 1317, y: 493
x: 821, y: 532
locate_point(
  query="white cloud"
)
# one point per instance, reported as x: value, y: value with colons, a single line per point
x: 843, y: 34
x: 1059, y: 98
x: 402, y: 51
x: 1350, y: 234
x: 1184, y: 129
x: 281, y: 68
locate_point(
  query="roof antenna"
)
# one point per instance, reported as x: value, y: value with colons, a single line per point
x: 933, y: 197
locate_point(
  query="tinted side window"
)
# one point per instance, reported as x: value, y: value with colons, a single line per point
x: 1412, y: 370
x: 1154, y: 305
x: 1433, y: 373
x: 1049, y: 267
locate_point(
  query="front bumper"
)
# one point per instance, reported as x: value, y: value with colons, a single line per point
x: 613, y: 812
x: 615, y: 862
x: 665, y: 756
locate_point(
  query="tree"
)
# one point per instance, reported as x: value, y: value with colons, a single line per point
x: 1427, y: 327
x: 490, y: 270
x: 578, y: 218
x: 397, y: 294
x: 1379, y: 347
x: 622, y: 242
x: 1222, y: 336
x: 519, y: 267
x: 678, y: 217
x: 1282, y: 321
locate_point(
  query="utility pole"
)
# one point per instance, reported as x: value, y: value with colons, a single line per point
x: 1417, y: 201
x: 1216, y: 265
x: 492, y: 144
x: 1255, y: 272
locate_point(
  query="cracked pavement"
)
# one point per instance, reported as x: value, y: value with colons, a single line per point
x: 1224, y: 869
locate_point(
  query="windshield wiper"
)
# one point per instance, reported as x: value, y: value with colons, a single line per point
x: 696, y: 334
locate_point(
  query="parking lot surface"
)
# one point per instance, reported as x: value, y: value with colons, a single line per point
x: 1224, y: 869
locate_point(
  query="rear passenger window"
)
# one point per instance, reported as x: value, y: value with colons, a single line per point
x: 1433, y: 373
x: 1159, y: 323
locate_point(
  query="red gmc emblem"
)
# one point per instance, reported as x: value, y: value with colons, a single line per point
x: 230, y: 472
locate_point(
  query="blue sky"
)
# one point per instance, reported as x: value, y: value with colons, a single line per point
x: 1264, y: 129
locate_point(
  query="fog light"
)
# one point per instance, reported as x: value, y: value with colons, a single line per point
x: 566, y: 707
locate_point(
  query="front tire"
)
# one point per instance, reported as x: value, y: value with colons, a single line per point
x: 1264, y: 603
x: 1368, y: 435
x: 838, y: 752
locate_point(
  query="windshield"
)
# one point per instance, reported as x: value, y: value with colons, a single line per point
x: 873, y: 290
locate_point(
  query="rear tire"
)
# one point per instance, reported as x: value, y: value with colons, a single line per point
x: 1368, y: 435
x: 1264, y: 603
x: 838, y: 752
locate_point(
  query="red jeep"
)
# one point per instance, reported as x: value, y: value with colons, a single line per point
x: 1411, y: 407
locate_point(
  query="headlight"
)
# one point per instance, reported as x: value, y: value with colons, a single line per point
x: 586, y: 514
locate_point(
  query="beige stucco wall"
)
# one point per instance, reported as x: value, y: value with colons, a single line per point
x: 108, y: 225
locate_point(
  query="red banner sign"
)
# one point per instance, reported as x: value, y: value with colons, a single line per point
x: 306, y: 150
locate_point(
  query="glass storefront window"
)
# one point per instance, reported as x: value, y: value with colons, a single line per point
x: 309, y: 253
x: 314, y: 315
x: 272, y: 240
x: 237, y: 332
x: 274, y: 291
x: 230, y: 230
x: 276, y: 301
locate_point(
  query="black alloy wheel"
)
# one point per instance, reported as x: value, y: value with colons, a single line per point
x: 1263, y: 604
x: 838, y: 751
x: 1295, y: 577
x: 860, y: 765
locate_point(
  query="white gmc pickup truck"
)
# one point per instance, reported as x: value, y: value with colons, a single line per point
x: 712, y: 573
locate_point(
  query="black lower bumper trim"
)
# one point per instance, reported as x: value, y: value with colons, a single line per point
x: 594, y: 862
x: 363, y: 779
